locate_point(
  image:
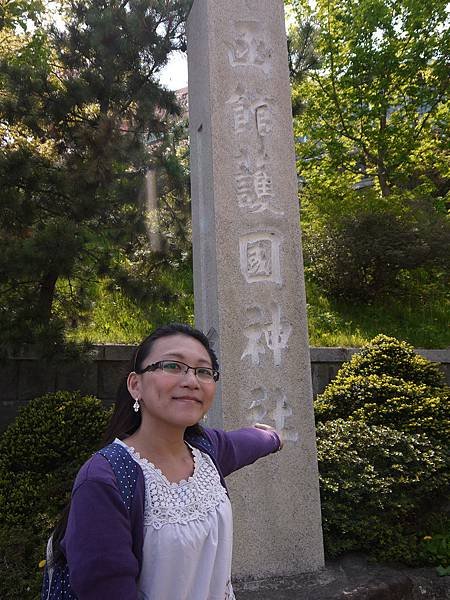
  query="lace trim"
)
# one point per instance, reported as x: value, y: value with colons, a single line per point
x: 189, y: 500
x: 145, y: 463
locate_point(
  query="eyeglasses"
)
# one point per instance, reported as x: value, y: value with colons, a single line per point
x: 174, y: 367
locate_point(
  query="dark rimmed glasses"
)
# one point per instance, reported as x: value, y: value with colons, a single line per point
x: 177, y: 368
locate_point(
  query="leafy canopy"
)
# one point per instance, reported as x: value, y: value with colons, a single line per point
x: 371, y: 120
x: 380, y: 94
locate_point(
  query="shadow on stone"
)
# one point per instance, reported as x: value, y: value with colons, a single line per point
x: 351, y: 578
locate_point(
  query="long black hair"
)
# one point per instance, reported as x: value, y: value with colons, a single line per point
x: 124, y: 420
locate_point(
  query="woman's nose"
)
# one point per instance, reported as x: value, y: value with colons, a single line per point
x: 190, y: 378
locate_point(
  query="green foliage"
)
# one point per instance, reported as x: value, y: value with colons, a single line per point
x: 41, y: 450
x: 383, y: 426
x: 379, y: 91
x: 388, y: 384
x: 421, y: 318
x: 388, y: 356
x: 40, y: 453
x: 376, y: 485
x: 365, y: 255
x: 436, y: 550
x: 119, y: 317
x: 303, y: 57
x: 372, y: 144
x: 21, y: 551
x: 20, y: 13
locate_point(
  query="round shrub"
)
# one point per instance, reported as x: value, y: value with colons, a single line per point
x: 377, y: 484
x: 40, y: 454
x: 386, y: 355
x: 360, y: 256
x: 383, y: 426
x: 364, y: 251
x: 387, y: 383
x: 42, y: 449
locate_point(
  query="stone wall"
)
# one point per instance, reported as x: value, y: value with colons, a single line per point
x: 23, y: 377
x: 325, y: 363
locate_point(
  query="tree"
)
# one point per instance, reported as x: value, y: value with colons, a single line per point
x: 303, y: 58
x: 373, y: 132
x: 78, y: 107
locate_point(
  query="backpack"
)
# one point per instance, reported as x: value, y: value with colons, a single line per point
x: 56, y: 584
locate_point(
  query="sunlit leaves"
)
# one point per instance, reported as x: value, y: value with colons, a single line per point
x: 381, y: 79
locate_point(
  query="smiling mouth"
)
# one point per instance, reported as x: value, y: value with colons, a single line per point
x: 188, y: 399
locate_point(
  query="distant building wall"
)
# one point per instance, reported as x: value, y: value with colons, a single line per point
x: 24, y: 377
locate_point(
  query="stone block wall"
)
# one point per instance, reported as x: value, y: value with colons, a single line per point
x: 326, y: 362
x: 24, y: 377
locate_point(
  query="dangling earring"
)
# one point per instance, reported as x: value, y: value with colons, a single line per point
x: 136, y: 405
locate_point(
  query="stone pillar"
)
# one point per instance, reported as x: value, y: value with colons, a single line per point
x: 248, y: 273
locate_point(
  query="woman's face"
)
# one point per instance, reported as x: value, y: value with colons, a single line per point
x: 176, y: 400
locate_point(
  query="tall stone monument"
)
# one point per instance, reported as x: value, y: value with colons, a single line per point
x: 248, y: 273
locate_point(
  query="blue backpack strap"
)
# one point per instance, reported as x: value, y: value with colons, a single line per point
x: 203, y: 443
x: 125, y: 469
x: 200, y: 441
x: 45, y: 584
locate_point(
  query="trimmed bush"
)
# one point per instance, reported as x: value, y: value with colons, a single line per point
x: 387, y: 383
x: 377, y: 486
x: 386, y: 355
x: 382, y: 433
x: 40, y: 453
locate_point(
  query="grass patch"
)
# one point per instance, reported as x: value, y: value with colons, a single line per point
x: 420, y: 319
x: 115, y: 318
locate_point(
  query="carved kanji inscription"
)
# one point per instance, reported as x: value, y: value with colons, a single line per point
x: 254, y: 188
x: 248, y: 46
x: 260, y: 257
x: 272, y: 334
x: 272, y: 408
x: 252, y: 111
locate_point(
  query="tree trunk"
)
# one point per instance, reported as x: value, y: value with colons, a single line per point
x: 381, y: 170
x: 382, y: 179
x: 47, y: 287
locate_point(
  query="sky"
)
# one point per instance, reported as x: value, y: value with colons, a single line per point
x: 175, y: 74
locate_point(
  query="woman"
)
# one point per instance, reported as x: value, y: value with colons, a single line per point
x: 175, y: 541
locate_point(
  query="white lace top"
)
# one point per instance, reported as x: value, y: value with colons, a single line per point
x: 188, y: 534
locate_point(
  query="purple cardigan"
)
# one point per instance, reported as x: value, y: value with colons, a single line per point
x: 103, y: 540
